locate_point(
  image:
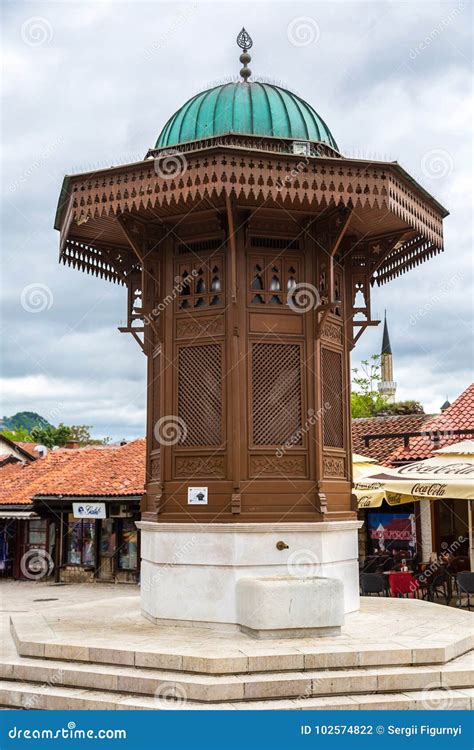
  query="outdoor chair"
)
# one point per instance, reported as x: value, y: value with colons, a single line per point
x: 388, y: 564
x: 403, y: 584
x: 439, y: 585
x: 465, y: 585
x: 459, y: 564
x: 372, y: 583
x: 371, y: 565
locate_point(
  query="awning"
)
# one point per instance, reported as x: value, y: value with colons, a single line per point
x: 22, y: 515
x: 449, y: 475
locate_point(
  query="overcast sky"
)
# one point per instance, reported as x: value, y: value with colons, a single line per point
x: 90, y: 84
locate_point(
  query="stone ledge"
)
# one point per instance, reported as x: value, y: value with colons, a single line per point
x: 250, y: 528
x: 102, y: 633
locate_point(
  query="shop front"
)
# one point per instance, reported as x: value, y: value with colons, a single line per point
x: 27, y: 545
x: 97, y: 539
x: 104, y: 549
x: 392, y: 534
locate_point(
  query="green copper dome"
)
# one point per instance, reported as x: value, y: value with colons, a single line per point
x: 246, y: 108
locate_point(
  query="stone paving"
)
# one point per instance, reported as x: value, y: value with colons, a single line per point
x: 389, y: 655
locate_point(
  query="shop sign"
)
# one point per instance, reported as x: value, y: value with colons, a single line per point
x: 197, y: 495
x: 89, y: 510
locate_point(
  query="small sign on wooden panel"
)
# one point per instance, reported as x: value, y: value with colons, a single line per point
x: 197, y: 495
x: 89, y: 510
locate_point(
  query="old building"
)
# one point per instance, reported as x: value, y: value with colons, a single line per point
x: 71, y: 515
x: 248, y: 244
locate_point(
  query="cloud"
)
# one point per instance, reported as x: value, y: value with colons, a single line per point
x: 97, y: 92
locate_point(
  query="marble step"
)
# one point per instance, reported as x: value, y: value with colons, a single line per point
x: 21, y: 695
x: 459, y: 673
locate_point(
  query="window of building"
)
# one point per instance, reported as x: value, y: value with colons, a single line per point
x: 108, y: 539
x: 200, y: 283
x: 81, y: 541
x: 272, y: 280
x: 37, y: 528
x: 128, y: 549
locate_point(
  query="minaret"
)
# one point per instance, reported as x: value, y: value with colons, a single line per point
x: 387, y: 385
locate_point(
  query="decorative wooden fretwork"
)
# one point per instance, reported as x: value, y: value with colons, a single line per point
x: 332, y: 332
x: 200, y: 283
x: 277, y: 466
x: 200, y: 394
x: 334, y: 466
x: 193, y: 327
x: 202, y: 466
x: 272, y: 278
x: 276, y: 394
x: 322, y: 183
x: 155, y: 466
x: 333, y: 398
x: 278, y: 243
x: 110, y: 263
x: 199, y: 246
x: 153, y: 387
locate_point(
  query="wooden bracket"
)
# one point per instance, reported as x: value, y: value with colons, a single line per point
x: 134, y: 332
x: 236, y: 504
x: 233, y: 247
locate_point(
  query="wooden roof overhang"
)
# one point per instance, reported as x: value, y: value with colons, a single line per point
x: 384, y: 200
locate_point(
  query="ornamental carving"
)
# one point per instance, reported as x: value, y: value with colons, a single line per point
x: 278, y: 466
x: 332, y: 332
x: 334, y: 466
x: 155, y: 467
x: 191, y: 328
x: 212, y: 466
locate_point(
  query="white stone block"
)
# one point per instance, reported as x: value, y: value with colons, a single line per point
x: 190, y: 572
x: 285, y: 606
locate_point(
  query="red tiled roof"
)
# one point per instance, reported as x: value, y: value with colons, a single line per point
x: 29, y: 448
x: 458, y: 416
x: 380, y: 448
x: 117, y: 471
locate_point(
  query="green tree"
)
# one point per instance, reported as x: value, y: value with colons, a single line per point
x: 20, y: 435
x: 366, y: 401
x: 51, y: 436
x: 404, y: 407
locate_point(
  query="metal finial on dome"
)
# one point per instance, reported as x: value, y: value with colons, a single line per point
x: 244, y: 41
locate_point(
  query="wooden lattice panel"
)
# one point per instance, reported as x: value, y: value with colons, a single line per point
x: 333, y: 420
x: 276, y: 394
x: 200, y: 394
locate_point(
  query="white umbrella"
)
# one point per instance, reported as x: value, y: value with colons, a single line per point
x: 448, y: 475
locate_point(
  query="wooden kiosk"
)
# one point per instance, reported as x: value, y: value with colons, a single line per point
x: 248, y: 246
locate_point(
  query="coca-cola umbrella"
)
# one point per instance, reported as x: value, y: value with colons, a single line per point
x: 448, y: 475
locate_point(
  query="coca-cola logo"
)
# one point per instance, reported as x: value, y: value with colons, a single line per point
x: 462, y: 468
x: 433, y: 490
